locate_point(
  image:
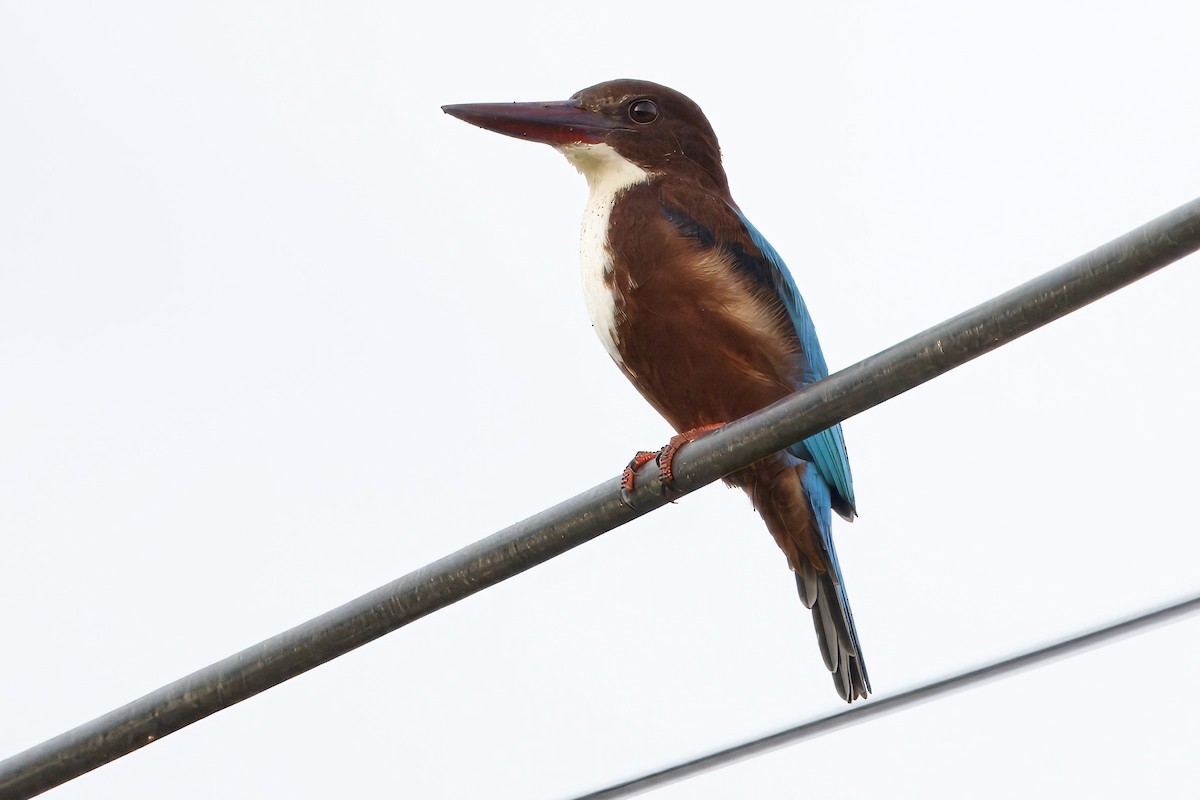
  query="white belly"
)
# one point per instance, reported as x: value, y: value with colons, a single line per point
x: 608, y: 174
x: 596, y: 265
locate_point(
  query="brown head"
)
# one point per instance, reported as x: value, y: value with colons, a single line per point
x: 651, y: 126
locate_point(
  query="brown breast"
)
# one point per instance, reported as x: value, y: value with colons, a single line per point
x: 699, y: 341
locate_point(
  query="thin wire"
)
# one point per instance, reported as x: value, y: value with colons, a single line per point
x: 602, y: 508
x: 873, y: 709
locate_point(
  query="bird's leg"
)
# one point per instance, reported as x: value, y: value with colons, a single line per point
x: 666, y: 456
x: 629, y: 473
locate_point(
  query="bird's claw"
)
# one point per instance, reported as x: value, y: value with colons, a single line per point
x: 665, y: 458
x: 629, y: 474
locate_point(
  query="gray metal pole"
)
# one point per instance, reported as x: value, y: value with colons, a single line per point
x: 600, y: 509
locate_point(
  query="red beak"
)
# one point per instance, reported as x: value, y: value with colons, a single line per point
x: 563, y: 122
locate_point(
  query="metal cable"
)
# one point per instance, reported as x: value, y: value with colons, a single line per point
x: 600, y: 509
x: 873, y: 709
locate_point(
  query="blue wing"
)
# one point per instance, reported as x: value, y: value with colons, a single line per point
x: 829, y: 486
x: 763, y: 265
x: 825, y: 475
x: 826, y: 449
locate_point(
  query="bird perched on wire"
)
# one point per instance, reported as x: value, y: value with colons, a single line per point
x: 701, y: 314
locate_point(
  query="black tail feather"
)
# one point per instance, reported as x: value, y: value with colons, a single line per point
x: 835, y: 632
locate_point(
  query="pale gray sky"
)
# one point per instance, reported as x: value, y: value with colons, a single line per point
x: 274, y: 331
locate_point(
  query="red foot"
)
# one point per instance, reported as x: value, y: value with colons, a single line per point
x: 666, y: 456
x: 628, y: 474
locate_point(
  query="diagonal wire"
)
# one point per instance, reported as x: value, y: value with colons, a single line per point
x: 873, y: 709
x: 600, y: 509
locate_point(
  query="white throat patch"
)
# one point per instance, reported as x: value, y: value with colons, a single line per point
x: 608, y: 174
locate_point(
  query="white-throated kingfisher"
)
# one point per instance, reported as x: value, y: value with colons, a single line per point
x: 700, y: 313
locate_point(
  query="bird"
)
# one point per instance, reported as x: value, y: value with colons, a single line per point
x: 701, y: 314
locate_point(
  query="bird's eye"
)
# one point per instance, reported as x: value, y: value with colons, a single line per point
x: 643, y: 111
